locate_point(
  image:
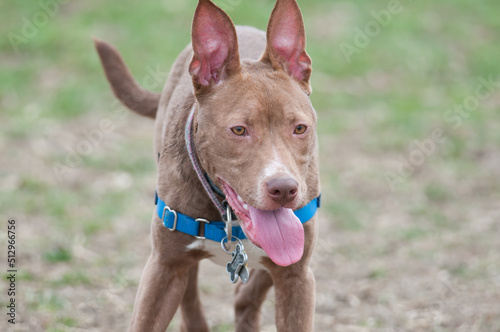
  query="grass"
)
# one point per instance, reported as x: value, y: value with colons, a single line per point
x: 72, y: 278
x: 58, y: 254
x: 78, y: 230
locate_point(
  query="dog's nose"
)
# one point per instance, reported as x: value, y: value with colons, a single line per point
x: 282, y: 190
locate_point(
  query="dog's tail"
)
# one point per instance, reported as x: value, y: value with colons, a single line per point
x: 124, y: 86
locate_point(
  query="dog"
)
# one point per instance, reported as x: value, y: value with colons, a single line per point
x: 237, y: 162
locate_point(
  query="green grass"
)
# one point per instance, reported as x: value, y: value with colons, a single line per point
x: 47, y: 301
x: 223, y: 328
x: 413, y: 233
x: 377, y: 274
x: 58, y: 254
x: 72, y: 278
x: 346, y: 214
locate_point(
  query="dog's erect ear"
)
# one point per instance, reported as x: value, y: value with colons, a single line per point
x: 215, y: 46
x: 286, y: 42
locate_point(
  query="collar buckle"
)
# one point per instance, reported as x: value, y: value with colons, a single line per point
x: 174, y: 227
x: 202, y: 220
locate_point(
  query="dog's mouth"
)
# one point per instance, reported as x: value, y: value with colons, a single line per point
x: 278, y: 232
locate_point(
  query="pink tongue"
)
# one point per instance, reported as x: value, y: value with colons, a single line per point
x: 279, y: 233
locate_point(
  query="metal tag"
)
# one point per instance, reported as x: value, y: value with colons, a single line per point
x: 244, y: 274
x: 237, y: 264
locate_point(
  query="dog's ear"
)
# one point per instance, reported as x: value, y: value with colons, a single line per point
x: 215, y: 46
x: 286, y: 42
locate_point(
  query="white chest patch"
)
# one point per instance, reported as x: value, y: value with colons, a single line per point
x: 220, y: 257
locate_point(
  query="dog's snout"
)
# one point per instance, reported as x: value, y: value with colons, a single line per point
x: 282, y: 190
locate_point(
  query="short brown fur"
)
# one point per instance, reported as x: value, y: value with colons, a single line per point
x: 270, y: 96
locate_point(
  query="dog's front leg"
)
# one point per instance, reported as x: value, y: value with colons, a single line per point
x: 249, y: 299
x: 193, y: 319
x: 160, y: 293
x: 295, y: 300
x: 295, y: 289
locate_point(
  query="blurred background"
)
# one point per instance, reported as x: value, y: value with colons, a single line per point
x: 407, y: 95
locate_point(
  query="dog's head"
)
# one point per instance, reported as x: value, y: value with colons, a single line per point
x: 255, y: 129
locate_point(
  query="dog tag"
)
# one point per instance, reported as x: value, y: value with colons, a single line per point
x: 244, y: 274
x: 238, y: 262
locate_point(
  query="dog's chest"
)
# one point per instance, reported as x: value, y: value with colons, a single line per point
x: 220, y: 257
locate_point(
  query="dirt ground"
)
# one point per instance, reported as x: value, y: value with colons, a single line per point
x: 383, y: 275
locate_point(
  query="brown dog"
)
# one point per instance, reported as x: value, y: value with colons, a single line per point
x: 253, y: 134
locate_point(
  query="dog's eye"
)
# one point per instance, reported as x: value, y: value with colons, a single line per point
x: 239, y: 131
x: 300, y: 129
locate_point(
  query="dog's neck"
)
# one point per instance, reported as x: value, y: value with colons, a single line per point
x: 202, y: 175
x: 176, y: 175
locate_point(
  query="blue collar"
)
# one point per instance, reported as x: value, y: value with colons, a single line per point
x: 214, y: 230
